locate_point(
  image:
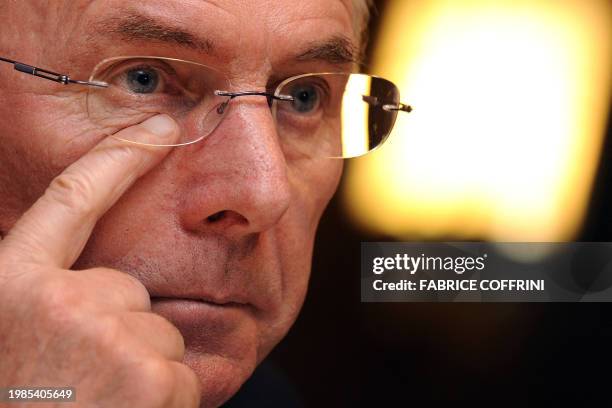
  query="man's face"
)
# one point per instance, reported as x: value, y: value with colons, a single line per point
x: 229, y: 220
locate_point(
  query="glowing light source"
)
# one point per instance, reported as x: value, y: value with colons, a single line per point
x: 510, y: 98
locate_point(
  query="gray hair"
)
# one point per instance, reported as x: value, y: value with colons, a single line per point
x: 361, y: 17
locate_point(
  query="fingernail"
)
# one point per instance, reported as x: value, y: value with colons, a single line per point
x: 162, y: 126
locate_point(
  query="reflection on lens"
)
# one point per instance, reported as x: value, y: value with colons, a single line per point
x: 351, y: 121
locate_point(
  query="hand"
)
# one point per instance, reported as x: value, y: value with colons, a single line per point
x: 92, y: 330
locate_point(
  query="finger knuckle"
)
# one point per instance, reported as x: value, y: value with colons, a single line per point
x: 166, y: 326
x: 138, y: 291
x: 120, y: 156
x: 118, y: 275
x: 57, y: 295
x: 72, y: 191
x: 174, y: 336
x: 117, y: 154
x: 107, y: 330
x: 158, y: 375
x: 58, y: 305
x: 190, y: 383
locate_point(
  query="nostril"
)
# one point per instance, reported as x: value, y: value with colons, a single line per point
x: 226, y: 218
x: 216, y: 216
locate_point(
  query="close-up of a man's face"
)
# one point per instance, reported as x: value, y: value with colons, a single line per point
x: 221, y: 231
x: 228, y: 203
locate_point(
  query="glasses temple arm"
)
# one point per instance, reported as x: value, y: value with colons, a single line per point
x: 397, y: 107
x: 373, y: 100
x: 50, y: 75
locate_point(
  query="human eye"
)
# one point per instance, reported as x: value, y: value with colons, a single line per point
x: 309, y: 95
x: 144, y: 78
x: 306, y: 98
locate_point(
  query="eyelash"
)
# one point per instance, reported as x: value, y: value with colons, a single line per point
x: 120, y: 72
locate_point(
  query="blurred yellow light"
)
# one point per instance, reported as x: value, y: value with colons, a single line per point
x: 510, y: 102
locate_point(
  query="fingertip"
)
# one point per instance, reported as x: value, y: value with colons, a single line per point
x: 157, y: 131
x: 162, y: 128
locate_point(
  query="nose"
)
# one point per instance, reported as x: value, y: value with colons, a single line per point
x: 236, y: 180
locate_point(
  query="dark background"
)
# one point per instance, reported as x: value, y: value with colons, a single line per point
x: 342, y: 353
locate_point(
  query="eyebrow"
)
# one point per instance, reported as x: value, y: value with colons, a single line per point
x: 138, y: 27
x: 336, y: 50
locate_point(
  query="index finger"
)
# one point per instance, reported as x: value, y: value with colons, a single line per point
x: 56, y: 228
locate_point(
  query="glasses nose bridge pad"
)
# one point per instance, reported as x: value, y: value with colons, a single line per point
x: 223, y: 105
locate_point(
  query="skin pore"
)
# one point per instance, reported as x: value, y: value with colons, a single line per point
x: 229, y: 220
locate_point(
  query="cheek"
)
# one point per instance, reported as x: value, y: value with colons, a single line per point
x: 314, y: 183
x: 313, y: 188
x: 40, y: 135
x: 56, y: 129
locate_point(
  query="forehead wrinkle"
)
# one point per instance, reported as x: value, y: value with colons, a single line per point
x: 348, y: 6
x: 326, y: 33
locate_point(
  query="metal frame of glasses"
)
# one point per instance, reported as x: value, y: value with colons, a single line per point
x: 127, y: 90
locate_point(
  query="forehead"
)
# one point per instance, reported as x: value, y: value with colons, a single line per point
x: 249, y: 33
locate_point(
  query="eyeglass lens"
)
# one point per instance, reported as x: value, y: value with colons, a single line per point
x: 331, y: 115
